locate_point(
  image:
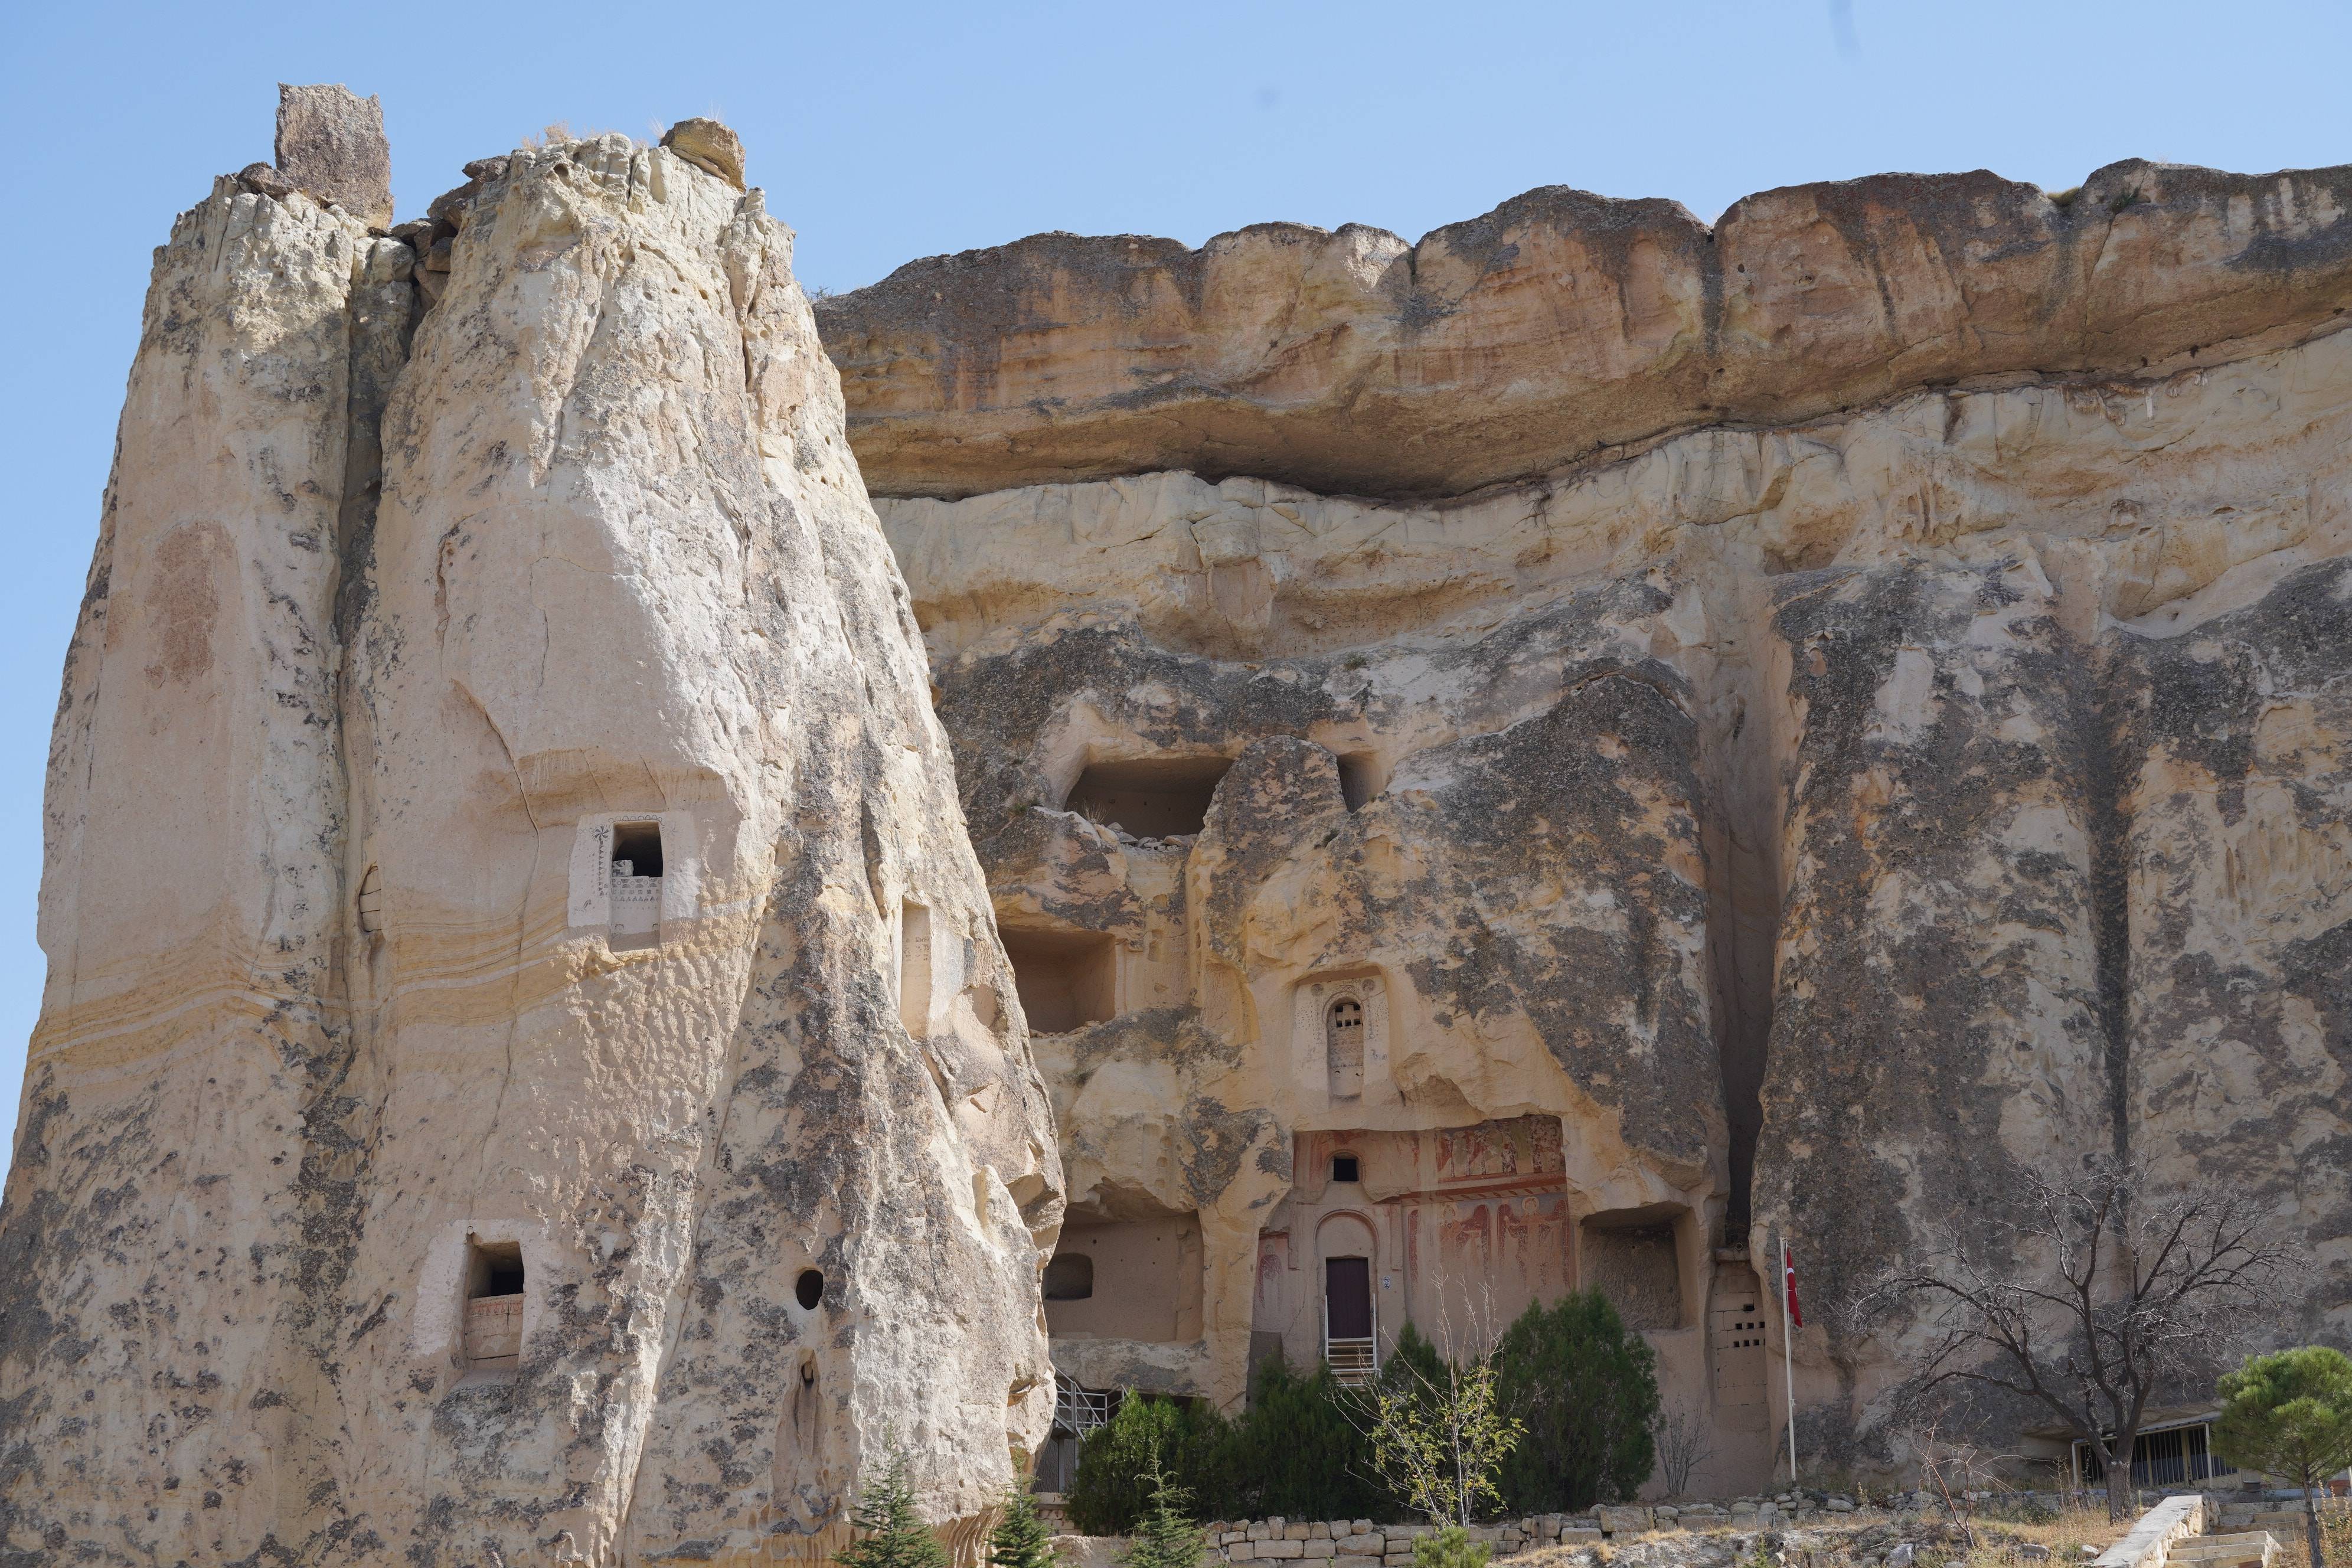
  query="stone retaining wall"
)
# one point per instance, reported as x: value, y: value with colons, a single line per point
x: 1360, y: 1543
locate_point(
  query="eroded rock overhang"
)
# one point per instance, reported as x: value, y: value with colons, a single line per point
x: 1558, y: 327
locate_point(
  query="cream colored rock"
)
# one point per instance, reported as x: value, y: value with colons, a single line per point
x: 194, y: 909
x: 1558, y: 328
x: 1787, y: 828
x: 415, y: 1169
x: 709, y: 146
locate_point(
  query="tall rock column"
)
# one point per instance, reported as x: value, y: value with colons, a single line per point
x: 152, y: 1244
x: 753, y: 1126
x: 528, y: 1072
x: 2239, y: 877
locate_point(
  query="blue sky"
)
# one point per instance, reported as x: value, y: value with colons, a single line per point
x: 884, y: 133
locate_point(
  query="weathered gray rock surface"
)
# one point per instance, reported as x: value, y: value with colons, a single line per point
x: 528, y: 1073
x: 1558, y: 327
x: 330, y: 145
x: 1878, y: 730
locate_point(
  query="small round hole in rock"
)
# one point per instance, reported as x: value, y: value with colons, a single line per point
x: 809, y: 1290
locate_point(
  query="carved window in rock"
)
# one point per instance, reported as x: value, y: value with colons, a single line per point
x: 371, y: 903
x: 637, y: 885
x: 494, y: 1301
x: 1070, y: 1276
x: 1339, y: 1030
x: 1343, y: 1047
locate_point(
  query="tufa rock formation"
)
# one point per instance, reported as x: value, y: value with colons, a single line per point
x: 330, y: 147
x: 1560, y: 756
x: 1566, y: 754
x: 1558, y: 330
x: 528, y: 1073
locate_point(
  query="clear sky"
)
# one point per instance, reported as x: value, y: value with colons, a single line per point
x: 884, y: 132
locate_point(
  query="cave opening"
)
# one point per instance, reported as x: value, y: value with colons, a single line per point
x: 1151, y: 797
x: 1066, y: 979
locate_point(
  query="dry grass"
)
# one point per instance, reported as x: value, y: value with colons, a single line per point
x: 2065, y: 1536
x: 2335, y: 1537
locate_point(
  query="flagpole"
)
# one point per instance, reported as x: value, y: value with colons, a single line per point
x: 1789, y: 1359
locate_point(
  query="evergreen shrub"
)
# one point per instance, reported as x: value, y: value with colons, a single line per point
x: 1587, y: 1388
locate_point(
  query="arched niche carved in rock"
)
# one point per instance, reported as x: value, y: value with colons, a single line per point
x: 1343, y: 1023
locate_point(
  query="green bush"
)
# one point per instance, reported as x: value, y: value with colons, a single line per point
x: 1297, y: 1451
x: 1451, y: 1547
x: 1412, y: 1362
x: 1586, y: 1389
x: 1189, y: 1441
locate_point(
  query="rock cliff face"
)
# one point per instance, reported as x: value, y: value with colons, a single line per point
x: 1556, y: 327
x: 528, y: 1072
x: 1557, y: 756
x: 1816, y: 715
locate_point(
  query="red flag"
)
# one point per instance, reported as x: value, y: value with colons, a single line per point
x: 1789, y: 1268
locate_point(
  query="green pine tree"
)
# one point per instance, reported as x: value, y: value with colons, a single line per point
x: 891, y: 1532
x: 1298, y: 1452
x: 1451, y: 1547
x: 2289, y: 1415
x: 1165, y: 1537
x: 1020, y: 1539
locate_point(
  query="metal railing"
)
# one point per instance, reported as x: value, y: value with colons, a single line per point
x: 1354, y: 1362
x: 1076, y: 1410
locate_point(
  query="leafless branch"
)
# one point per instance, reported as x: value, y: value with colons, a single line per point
x: 1682, y: 1445
x: 2103, y: 1291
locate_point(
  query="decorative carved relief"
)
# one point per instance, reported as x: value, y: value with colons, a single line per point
x: 1346, y: 1021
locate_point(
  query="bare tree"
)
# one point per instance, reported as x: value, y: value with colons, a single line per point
x: 2101, y: 1293
x: 1942, y: 1462
x: 1683, y: 1444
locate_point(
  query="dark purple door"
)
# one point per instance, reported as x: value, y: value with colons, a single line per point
x: 1348, y: 1291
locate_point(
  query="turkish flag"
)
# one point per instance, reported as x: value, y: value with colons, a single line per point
x: 1789, y: 1268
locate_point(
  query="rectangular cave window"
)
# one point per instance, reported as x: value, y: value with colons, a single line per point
x: 1067, y: 979
x: 494, y: 1298
x: 637, y: 848
x: 1343, y: 1042
x: 1151, y: 797
x: 637, y: 885
x: 1631, y: 1258
x: 1126, y: 1280
x: 1359, y: 779
x: 1344, y: 1168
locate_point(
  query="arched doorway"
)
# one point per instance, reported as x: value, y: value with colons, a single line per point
x: 1350, y: 1321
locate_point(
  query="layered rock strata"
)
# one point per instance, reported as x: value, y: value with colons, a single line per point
x: 1558, y: 327
x: 1828, y: 712
x: 528, y: 1072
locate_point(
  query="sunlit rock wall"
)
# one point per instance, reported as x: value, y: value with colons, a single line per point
x: 400, y: 1182
x: 1838, y: 711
